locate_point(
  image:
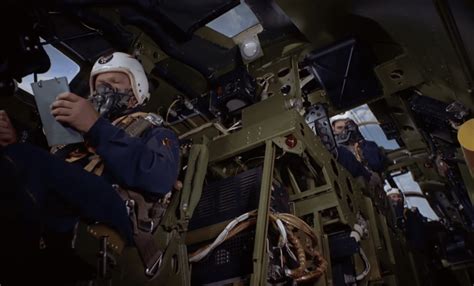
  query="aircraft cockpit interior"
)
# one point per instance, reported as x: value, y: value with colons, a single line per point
x: 321, y: 142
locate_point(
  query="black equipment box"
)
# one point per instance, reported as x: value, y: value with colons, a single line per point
x: 225, y: 200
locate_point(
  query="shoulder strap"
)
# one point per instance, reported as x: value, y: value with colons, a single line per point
x: 134, y: 124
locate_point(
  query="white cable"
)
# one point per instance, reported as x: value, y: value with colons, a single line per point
x: 367, y: 265
x: 169, y: 108
x: 357, y: 233
x: 284, y: 237
x: 221, y: 128
x: 235, y: 126
x: 265, y: 84
x: 220, y: 238
x: 292, y: 255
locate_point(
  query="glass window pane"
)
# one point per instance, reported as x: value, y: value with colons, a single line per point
x: 61, y: 65
x: 406, y: 183
x: 234, y: 21
x: 423, y: 206
x: 369, y: 127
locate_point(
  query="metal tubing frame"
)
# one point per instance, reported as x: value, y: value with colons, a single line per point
x: 260, y: 256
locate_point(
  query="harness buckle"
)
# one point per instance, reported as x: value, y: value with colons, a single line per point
x: 154, y: 268
x: 147, y: 226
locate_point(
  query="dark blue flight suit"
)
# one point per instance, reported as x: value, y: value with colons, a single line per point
x: 49, y: 191
x: 349, y: 161
x: 374, y: 158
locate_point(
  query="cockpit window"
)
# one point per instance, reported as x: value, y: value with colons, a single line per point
x: 61, y: 65
x: 234, y: 21
x: 369, y: 127
x: 413, y: 195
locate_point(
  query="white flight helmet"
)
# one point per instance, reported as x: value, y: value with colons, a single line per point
x: 338, y: 117
x: 393, y: 191
x: 122, y: 62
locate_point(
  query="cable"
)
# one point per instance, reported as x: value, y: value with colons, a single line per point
x: 367, y: 265
x: 195, y: 257
x: 298, y: 271
x: 169, y: 108
x: 284, y: 237
x: 292, y: 255
x: 221, y: 128
x: 235, y: 126
x: 310, y: 263
x: 297, y: 223
x: 236, y: 230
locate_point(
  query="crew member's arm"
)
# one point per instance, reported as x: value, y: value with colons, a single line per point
x: 374, y: 156
x: 149, y: 164
x: 349, y: 161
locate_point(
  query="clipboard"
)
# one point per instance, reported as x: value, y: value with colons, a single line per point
x: 45, y: 92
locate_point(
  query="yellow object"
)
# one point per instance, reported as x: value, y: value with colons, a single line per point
x: 466, y: 139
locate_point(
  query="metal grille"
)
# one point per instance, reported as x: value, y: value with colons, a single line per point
x: 227, y: 199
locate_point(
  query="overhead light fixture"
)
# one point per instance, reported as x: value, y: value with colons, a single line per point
x: 250, y: 48
x: 249, y: 43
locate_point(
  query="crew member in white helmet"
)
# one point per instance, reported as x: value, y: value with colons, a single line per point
x: 348, y: 135
x: 395, y: 196
x: 358, y: 156
x: 51, y: 194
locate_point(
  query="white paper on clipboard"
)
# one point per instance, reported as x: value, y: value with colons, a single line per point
x: 45, y: 92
